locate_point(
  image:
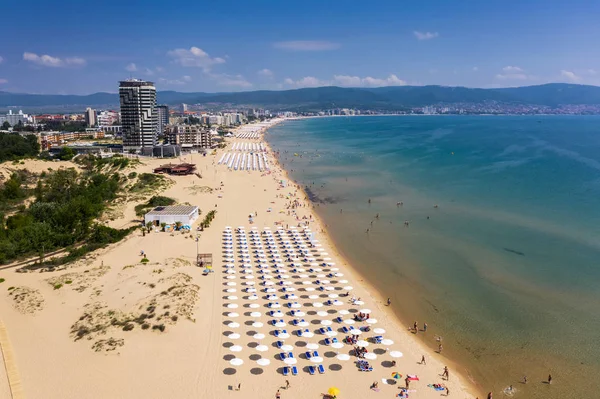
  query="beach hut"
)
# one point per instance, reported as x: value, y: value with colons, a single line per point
x: 184, y: 214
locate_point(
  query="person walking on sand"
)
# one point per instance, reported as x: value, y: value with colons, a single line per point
x: 549, y: 378
x: 424, y: 327
x: 447, y: 391
x: 278, y: 395
x: 524, y: 379
x: 423, y: 360
x: 407, y: 382
x: 239, y: 386
x: 416, y: 327
x: 287, y: 384
x: 389, y: 301
x: 445, y: 373
x: 489, y: 396
x: 440, y: 347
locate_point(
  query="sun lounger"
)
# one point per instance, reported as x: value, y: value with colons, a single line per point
x: 329, y: 329
x: 282, y: 355
x: 339, y: 319
x: 315, y: 353
x: 321, y: 369
x: 322, y: 330
x: 279, y: 344
x: 328, y: 341
x: 294, y: 370
x: 286, y: 371
x: 345, y: 329
x: 311, y: 370
x: 308, y: 355
x: 290, y: 355
x: 295, y: 322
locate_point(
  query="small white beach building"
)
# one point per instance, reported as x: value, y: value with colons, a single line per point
x: 185, y: 214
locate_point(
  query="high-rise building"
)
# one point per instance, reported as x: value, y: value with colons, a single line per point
x: 138, y: 114
x: 90, y: 117
x: 163, y: 118
x: 189, y: 136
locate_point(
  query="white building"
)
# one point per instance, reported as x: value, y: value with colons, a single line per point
x: 185, y: 214
x: 188, y: 136
x: 139, y: 117
x: 90, y: 117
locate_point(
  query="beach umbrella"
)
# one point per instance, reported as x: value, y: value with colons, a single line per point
x: 309, y: 289
x: 343, y: 356
x: 313, y: 296
x: 257, y: 324
x: 344, y: 312
x: 333, y: 391
x: 379, y: 331
x: 232, y: 314
x: 333, y: 295
x: 249, y: 283
x: 255, y: 314
x: 396, y: 375
x: 290, y: 360
x: 280, y: 324
x: 234, y: 336
x: 262, y: 348
x: 312, y: 346
x: 365, y: 311
x: 263, y: 362
x: 362, y: 343
x: 348, y: 288
x: 236, y: 362
x: 355, y: 331
x: 300, y: 313
x: 358, y: 303
x: 396, y: 354
x: 349, y: 321
x: 232, y: 305
x: 287, y: 348
x: 370, y: 356
x: 284, y: 335
x: 337, y: 345
x: 254, y: 305
x: 316, y: 359
x: 317, y: 304
x: 331, y: 333
x: 259, y: 336
x: 231, y: 283
x: 322, y: 313
x: 329, y: 288
x: 387, y: 342
x: 371, y: 321
x: 326, y: 322
x: 232, y: 297
x: 337, y: 303
x: 296, y: 306
x: 235, y: 348
x: 230, y: 277
x: 307, y: 282
x: 268, y: 290
x: 231, y: 290
x: 309, y: 334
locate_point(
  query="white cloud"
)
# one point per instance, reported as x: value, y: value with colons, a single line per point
x: 512, y: 69
x: 265, y: 72
x: 307, y: 81
x: 49, y: 61
x: 187, y: 78
x: 3, y: 81
x: 570, y: 76
x: 131, y: 67
x: 425, y: 35
x: 194, y: 57
x: 512, y: 76
x: 307, y: 45
x: 224, y: 79
x: 591, y: 72
x: 356, y: 81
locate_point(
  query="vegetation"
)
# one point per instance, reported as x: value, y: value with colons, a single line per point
x: 65, y: 205
x: 92, y: 162
x: 66, y: 154
x: 14, y: 146
x: 157, y: 200
x: 208, y: 218
x: 2, y: 280
x: 148, y: 182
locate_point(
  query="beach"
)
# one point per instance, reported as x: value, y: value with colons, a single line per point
x: 60, y: 353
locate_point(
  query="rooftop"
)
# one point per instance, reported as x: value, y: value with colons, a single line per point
x: 172, y: 210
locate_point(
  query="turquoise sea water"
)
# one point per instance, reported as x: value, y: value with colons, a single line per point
x: 506, y: 268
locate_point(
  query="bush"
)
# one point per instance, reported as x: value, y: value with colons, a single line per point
x: 132, y: 175
x: 160, y: 327
x: 128, y: 327
x: 2, y: 280
x: 145, y: 260
x: 153, y: 202
x: 145, y: 326
x: 57, y: 286
x: 68, y: 282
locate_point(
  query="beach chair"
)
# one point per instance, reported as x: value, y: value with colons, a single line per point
x: 322, y: 330
x: 299, y: 333
x: 290, y: 355
x: 277, y: 332
x: 284, y: 331
x: 321, y: 369
x: 308, y: 355
x: 295, y: 322
x: 279, y: 344
x: 293, y: 313
x: 289, y: 305
x: 286, y: 371
x: 282, y: 355
x: 378, y: 339
x: 311, y: 370
x: 327, y: 341
x: 345, y: 329
x: 329, y: 329
x: 315, y: 353
x: 294, y: 370
x: 338, y: 319
x: 321, y: 288
x: 328, y: 303
x: 273, y: 322
x: 334, y: 340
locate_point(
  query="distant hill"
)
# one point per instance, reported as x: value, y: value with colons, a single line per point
x: 382, y: 98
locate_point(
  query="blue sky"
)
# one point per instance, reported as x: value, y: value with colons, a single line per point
x: 80, y: 48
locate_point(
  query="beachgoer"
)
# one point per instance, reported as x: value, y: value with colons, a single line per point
x: 425, y: 327
x: 393, y: 363
x: 389, y: 301
x: 407, y: 382
x: 369, y: 200
x: 489, y: 396
x: 525, y: 379
x: 239, y: 386
x: 440, y: 347
x: 278, y: 395
x: 287, y: 384
x: 416, y: 327
x: 549, y: 378
x: 423, y: 359
x: 446, y: 373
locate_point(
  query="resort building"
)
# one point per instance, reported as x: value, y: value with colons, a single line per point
x: 163, y: 118
x: 184, y: 214
x: 138, y: 115
x: 90, y: 117
x: 189, y: 136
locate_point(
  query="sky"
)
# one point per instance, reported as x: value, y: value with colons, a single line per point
x: 68, y: 47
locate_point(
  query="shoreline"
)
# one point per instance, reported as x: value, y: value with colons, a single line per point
x: 362, y: 280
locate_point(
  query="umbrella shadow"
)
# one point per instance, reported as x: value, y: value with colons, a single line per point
x: 228, y: 357
x: 229, y: 371
x: 249, y: 322
x: 227, y: 344
x: 335, y: 367
x: 252, y: 344
x: 256, y: 371
x: 330, y: 354
x: 387, y: 364
x: 255, y: 357
x: 300, y: 344
x: 251, y: 333
x: 379, y: 351
x: 311, y: 312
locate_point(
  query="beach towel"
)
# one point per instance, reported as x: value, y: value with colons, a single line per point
x: 436, y: 388
x: 412, y: 377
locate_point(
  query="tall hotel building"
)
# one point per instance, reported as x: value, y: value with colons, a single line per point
x: 139, y: 118
x: 163, y: 118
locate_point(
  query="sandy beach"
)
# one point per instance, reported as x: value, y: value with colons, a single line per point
x: 69, y: 342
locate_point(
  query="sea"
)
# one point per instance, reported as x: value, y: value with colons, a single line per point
x: 487, y: 228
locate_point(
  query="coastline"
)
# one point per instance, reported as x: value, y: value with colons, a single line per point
x: 362, y: 280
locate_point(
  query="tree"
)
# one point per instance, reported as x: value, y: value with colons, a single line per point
x: 178, y: 225
x: 163, y: 226
x: 66, y: 154
x: 149, y: 226
x: 5, y: 125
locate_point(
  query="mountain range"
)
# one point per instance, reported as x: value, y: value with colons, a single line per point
x: 381, y: 98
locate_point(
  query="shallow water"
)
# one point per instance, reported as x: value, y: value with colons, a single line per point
x: 506, y: 268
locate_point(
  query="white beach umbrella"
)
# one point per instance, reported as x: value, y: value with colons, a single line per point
x: 322, y: 313
x: 278, y: 314
x: 286, y: 282
x: 355, y: 331
x: 235, y: 348
x: 299, y: 313
x: 308, y: 334
x: 362, y: 342
x: 348, y: 287
x: 309, y: 289
x: 233, y: 324
x: 255, y: 314
x: 249, y: 283
x: 371, y: 321
x: 317, y: 304
x: 271, y: 297
x: 269, y: 290
x: 379, y: 331
x: 257, y: 324
x: 313, y: 296
x: 230, y: 277
x: 307, y: 282
x: 387, y: 342
x: 234, y: 336
x: 329, y: 288
x: 259, y: 336
x: 312, y: 346
x: 253, y: 298
x: 349, y: 321
x: 296, y: 305
x: 290, y: 361
x: 337, y: 345
x: 396, y: 354
x: 232, y: 305
x: 333, y: 295
x: 251, y: 290
x: 236, y: 362
x: 337, y: 303
x: 370, y: 356
x: 302, y: 324
x: 280, y: 324
x: 231, y: 283
x: 339, y: 274
x: 287, y: 347
x: 262, y: 348
x: 365, y: 311
x: 232, y: 314
x: 358, y: 303
x: 344, y: 312
x: 316, y: 359
x: 321, y: 275
x: 326, y: 322
x: 331, y: 333
x: 263, y: 362
x: 343, y: 356
x: 268, y: 283
x: 284, y: 335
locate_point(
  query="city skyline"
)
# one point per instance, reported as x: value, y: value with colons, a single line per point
x: 274, y: 46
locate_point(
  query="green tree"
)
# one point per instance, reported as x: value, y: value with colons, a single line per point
x: 5, y: 125
x: 149, y: 226
x: 163, y: 226
x: 66, y: 154
x: 12, y: 188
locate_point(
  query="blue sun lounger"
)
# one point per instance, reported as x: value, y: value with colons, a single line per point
x: 321, y: 369
x: 311, y: 370
x: 294, y: 370
x: 308, y: 355
x: 286, y: 371
x: 279, y: 344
